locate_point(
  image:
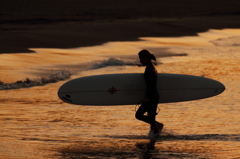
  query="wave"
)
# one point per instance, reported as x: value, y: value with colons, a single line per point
x: 59, y: 76
x: 65, y: 74
x: 230, y: 41
x: 117, y: 62
x: 113, y: 62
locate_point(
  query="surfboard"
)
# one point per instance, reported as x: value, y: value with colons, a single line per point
x: 129, y: 89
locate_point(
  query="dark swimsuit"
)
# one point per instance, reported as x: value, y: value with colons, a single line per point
x: 150, y: 76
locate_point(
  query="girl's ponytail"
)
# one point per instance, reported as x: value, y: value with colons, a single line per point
x: 152, y: 57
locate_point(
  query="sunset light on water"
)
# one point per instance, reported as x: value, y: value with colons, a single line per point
x: 34, y: 122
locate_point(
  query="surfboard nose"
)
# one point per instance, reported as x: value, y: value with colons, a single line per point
x: 221, y: 88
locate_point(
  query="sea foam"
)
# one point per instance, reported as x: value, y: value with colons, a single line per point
x: 59, y: 76
x: 113, y: 62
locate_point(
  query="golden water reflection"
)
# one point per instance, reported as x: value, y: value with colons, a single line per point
x: 34, y: 122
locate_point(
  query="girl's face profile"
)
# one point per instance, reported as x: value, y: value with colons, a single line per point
x: 143, y: 60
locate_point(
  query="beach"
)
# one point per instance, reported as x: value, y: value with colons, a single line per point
x: 41, y: 51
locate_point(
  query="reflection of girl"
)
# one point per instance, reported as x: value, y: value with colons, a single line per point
x: 150, y: 102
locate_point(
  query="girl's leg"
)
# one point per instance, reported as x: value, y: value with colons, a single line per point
x: 140, y: 113
x: 152, y: 116
x: 151, y: 108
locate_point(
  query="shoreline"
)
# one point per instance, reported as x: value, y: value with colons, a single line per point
x: 19, y: 38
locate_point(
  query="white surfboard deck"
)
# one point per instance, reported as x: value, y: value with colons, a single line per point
x: 129, y: 89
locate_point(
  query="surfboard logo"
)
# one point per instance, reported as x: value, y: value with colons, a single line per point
x: 112, y: 90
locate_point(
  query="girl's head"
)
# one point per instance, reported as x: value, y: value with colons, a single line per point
x: 146, y: 57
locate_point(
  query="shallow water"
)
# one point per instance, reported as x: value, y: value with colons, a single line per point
x: 36, y: 124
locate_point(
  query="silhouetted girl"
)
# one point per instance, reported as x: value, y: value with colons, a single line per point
x: 150, y: 102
